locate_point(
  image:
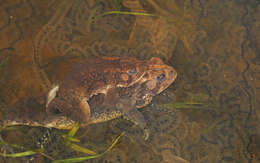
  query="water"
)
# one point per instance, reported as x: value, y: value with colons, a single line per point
x: 213, y: 46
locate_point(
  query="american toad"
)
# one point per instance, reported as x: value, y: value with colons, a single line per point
x: 102, y: 89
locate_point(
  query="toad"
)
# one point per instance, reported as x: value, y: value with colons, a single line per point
x: 102, y: 89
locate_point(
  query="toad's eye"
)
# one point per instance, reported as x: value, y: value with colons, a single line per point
x: 161, y: 78
x: 132, y: 72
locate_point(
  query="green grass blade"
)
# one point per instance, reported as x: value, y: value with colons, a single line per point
x: 71, y: 139
x: 22, y: 154
x: 114, y: 143
x: 179, y: 105
x: 79, y: 159
x: 9, y: 128
x: 125, y: 13
x: 74, y: 130
x: 82, y: 149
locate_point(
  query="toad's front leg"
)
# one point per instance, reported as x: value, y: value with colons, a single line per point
x: 130, y: 112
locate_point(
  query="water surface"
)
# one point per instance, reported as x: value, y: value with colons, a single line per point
x: 214, y: 46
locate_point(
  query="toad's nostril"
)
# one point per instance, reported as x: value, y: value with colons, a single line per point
x: 172, y: 72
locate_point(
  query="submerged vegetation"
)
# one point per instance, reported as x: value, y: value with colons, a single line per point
x: 125, y: 13
x: 70, y: 142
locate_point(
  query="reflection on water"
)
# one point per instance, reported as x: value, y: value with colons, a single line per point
x: 213, y: 46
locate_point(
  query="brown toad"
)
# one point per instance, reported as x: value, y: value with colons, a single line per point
x: 102, y: 89
x: 92, y: 77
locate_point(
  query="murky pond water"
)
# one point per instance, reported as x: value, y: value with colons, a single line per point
x: 214, y: 47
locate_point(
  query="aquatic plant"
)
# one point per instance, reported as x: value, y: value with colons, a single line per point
x: 69, y: 141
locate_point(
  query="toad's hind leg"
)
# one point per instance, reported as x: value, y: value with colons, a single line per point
x: 77, y: 110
